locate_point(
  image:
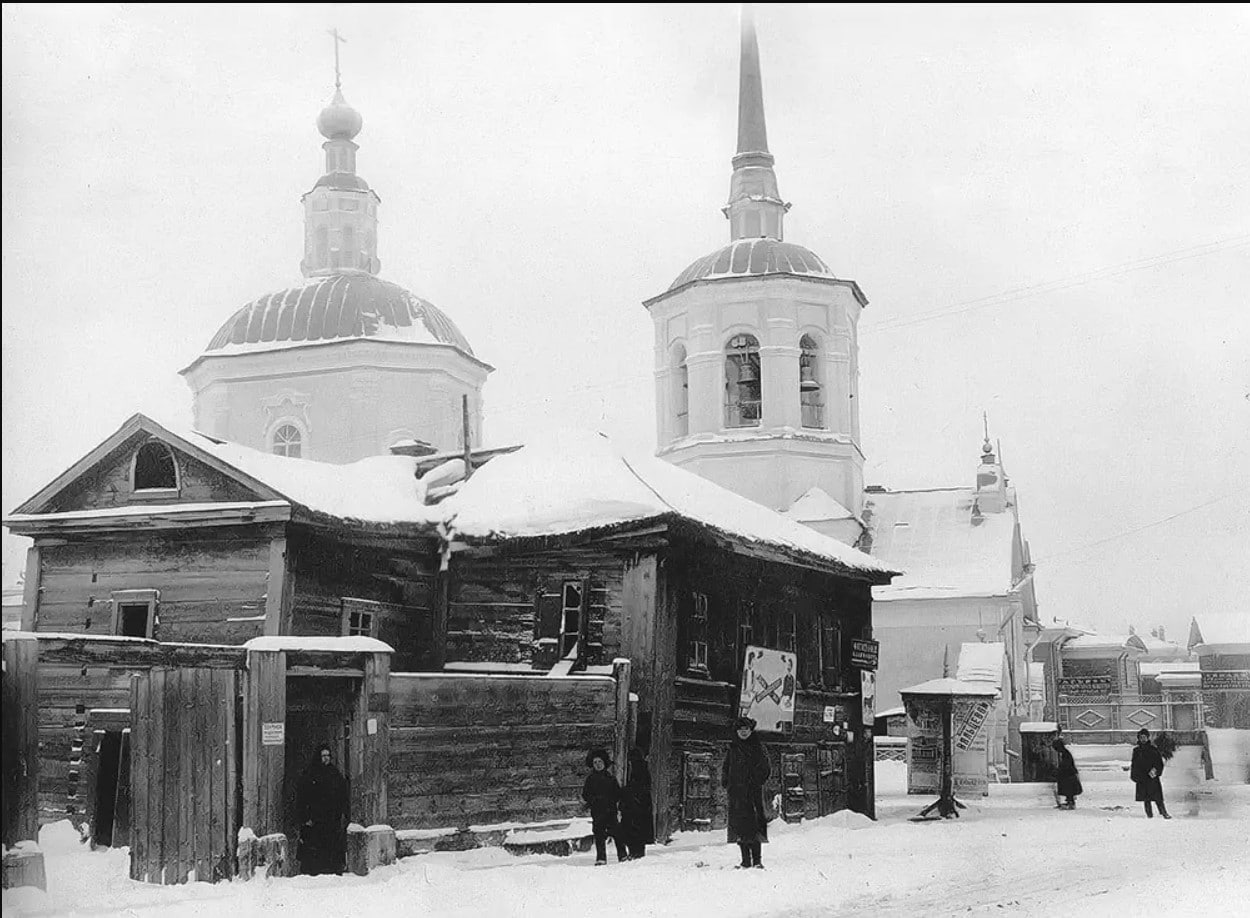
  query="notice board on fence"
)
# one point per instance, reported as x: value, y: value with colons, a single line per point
x: 971, y: 746
x: 924, y: 746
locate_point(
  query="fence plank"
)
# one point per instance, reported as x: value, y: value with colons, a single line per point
x: 140, y: 812
x: 170, y: 788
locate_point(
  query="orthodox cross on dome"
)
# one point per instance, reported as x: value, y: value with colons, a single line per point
x: 338, y: 40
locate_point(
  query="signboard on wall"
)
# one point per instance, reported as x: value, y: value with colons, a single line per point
x: 1223, y: 680
x: 1085, y: 685
x: 970, y: 717
x: 868, y: 695
x: 272, y: 733
x: 768, y: 686
x: 864, y: 653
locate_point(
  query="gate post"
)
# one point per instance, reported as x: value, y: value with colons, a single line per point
x: 21, y: 762
x: 620, y: 752
x: 264, y: 740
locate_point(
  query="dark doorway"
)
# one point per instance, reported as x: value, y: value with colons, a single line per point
x: 111, y: 810
x: 319, y: 710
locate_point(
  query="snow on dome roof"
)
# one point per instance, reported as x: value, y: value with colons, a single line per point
x: 754, y: 258
x: 575, y: 481
x: 336, y: 307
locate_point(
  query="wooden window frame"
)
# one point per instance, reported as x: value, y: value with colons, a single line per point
x: 149, y: 598
x: 582, y: 585
x: 352, y: 605
x: 149, y: 493
x: 829, y: 623
x: 697, y: 645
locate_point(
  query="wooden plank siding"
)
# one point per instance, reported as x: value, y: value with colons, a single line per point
x: 493, y: 602
x: 325, y: 570
x: 212, y: 583
x: 472, y: 750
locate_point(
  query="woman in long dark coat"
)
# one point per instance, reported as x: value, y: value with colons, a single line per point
x: 637, y: 824
x: 322, y: 802
x: 1145, y: 770
x: 746, y: 769
x: 1068, y: 779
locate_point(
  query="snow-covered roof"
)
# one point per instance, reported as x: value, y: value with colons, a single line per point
x: 981, y: 663
x: 1224, y: 628
x: 950, y: 687
x: 567, y: 483
x: 574, y: 481
x: 892, y: 712
x: 1039, y: 726
x: 1117, y: 642
x: 815, y: 506
x: 1176, y: 666
x: 931, y: 535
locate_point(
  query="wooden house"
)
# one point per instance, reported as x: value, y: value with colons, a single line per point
x: 505, y: 596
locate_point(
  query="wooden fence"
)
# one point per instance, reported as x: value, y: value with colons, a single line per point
x: 471, y: 749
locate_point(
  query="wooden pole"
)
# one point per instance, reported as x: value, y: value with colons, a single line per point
x: 21, y: 735
x: 620, y: 752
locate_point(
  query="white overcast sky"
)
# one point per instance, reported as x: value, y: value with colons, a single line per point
x: 1048, y: 208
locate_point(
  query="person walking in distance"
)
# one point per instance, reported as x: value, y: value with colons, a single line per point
x: 602, y: 794
x: 322, y: 804
x: 1068, y: 779
x: 1145, y: 770
x: 745, y: 771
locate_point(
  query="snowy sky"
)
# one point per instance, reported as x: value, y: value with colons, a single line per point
x: 1048, y: 208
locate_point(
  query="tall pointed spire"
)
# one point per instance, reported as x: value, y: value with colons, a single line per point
x: 755, y: 207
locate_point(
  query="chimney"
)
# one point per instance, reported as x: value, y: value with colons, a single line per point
x: 414, y: 448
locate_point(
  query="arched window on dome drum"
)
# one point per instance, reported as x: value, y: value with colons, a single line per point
x: 288, y: 441
x: 681, y: 393
x: 742, y: 382
x: 811, y: 393
x: 154, y: 468
x: 349, y: 247
x: 322, y: 257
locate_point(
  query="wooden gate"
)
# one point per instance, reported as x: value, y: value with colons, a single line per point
x: 830, y: 779
x: 696, y: 791
x: 184, y: 774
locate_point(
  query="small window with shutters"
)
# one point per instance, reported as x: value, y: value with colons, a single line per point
x: 793, y: 795
x: 696, y: 660
x: 831, y: 652
x: 561, y: 621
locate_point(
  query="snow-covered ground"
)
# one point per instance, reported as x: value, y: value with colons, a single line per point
x: 1010, y: 853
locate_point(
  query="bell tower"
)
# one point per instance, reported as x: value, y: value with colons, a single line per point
x: 756, y: 345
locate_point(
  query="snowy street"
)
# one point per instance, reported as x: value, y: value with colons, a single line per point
x: 1011, y: 853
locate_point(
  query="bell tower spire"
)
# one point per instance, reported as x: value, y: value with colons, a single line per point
x: 755, y: 207
x: 340, y: 212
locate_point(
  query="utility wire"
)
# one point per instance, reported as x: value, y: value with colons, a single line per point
x: 1129, y: 532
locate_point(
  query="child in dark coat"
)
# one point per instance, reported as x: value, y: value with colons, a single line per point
x: 602, y: 794
x: 745, y: 771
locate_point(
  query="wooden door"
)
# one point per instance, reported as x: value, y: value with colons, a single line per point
x: 184, y: 774
x: 793, y: 795
x: 696, y: 790
x: 830, y: 779
x: 319, y: 711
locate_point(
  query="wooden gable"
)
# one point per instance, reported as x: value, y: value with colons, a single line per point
x: 104, y: 479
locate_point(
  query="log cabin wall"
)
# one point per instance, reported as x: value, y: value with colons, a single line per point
x: 470, y: 750
x: 508, y: 609
x: 752, y: 602
x: 394, y: 584
x: 212, y: 582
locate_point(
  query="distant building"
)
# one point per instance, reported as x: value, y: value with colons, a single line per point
x: 13, y: 609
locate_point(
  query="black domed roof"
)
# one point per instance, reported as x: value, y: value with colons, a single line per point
x: 755, y: 258
x: 336, y: 307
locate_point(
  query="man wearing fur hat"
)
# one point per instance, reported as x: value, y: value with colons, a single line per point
x: 602, y: 794
x: 746, y: 769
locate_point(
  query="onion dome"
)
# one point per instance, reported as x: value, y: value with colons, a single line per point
x: 336, y: 307
x: 338, y: 120
x: 755, y: 258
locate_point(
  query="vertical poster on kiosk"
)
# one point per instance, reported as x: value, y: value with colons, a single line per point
x: 768, y: 686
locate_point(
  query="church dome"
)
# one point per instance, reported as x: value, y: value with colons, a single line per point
x: 755, y: 258
x: 336, y: 307
x: 338, y: 120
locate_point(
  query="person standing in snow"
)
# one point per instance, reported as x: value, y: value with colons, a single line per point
x: 1068, y: 779
x: 1145, y: 770
x: 745, y: 771
x: 602, y: 794
x: 321, y: 800
x: 637, y: 824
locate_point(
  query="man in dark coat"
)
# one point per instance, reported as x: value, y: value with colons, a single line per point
x: 1068, y: 779
x: 322, y: 805
x: 1146, y: 768
x: 637, y: 824
x: 745, y: 771
x: 602, y: 794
